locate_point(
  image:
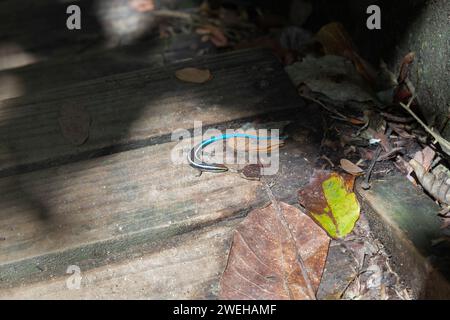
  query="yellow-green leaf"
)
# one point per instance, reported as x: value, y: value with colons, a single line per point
x: 330, y: 201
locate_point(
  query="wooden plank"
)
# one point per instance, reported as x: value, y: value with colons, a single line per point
x: 60, y: 72
x: 406, y: 221
x: 54, y: 73
x: 188, y: 268
x: 139, y: 106
x: 107, y: 209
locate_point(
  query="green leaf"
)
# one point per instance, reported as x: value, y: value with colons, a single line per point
x: 330, y: 201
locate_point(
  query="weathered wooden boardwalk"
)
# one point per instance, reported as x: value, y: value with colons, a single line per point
x: 136, y: 224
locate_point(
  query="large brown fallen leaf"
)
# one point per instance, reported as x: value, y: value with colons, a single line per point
x: 436, y: 185
x: 263, y: 261
x: 336, y: 40
x: 193, y: 75
x: 332, y: 76
x: 330, y: 201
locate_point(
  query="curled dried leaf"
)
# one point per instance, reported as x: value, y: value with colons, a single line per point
x: 336, y: 41
x: 434, y: 185
x: 350, y: 167
x: 425, y: 157
x: 193, y: 75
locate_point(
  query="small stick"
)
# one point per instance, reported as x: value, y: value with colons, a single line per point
x: 320, y: 103
x: 395, y: 118
x: 389, y: 154
x: 366, y: 183
x: 445, y: 144
x: 324, y: 157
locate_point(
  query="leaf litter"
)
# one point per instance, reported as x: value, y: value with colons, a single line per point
x: 330, y: 201
x: 264, y: 259
x: 367, y: 132
x: 193, y: 75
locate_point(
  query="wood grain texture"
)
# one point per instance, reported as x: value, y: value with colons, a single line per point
x: 93, y: 64
x: 102, y: 210
x: 187, y: 268
x: 54, y: 73
x: 138, y: 106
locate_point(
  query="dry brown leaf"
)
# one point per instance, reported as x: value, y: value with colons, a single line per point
x: 193, y: 75
x: 405, y: 67
x: 433, y: 184
x: 263, y: 261
x: 425, y: 157
x: 216, y: 35
x: 74, y: 122
x: 350, y: 167
x: 384, y: 139
x: 356, y: 121
x: 336, y: 41
x: 402, y: 92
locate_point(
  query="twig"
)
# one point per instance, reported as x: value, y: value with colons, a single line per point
x: 331, y: 110
x: 366, y: 183
x: 389, y: 154
x: 395, y: 118
x: 283, y: 221
x: 445, y: 144
x: 324, y: 157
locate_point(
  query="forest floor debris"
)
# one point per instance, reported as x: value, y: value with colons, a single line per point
x: 371, y: 130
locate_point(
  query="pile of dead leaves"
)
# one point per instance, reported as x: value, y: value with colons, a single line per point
x: 371, y: 129
x: 279, y: 252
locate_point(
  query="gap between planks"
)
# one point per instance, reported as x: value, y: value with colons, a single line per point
x: 142, y: 105
x: 98, y: 211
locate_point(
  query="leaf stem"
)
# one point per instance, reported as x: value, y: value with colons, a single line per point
x: 285, y: 224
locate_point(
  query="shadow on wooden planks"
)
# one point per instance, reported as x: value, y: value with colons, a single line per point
x: 52, y: 188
